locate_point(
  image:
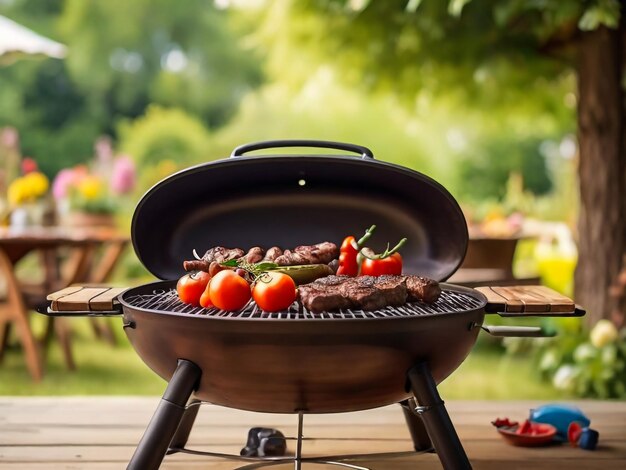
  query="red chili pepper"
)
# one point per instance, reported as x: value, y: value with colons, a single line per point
x: 387, y: 262
x: 349, y: 251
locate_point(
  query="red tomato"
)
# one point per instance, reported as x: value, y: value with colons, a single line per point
x: 205, y: 298
x: 229, y: 291
x: 274, y: 291
x: 377, y: 267
x: 191, y: 286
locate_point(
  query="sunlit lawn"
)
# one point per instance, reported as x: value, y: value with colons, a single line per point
x: 102, y: 369
x: 117, y: 370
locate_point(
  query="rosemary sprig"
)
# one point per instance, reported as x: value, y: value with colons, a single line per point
x: 254, y: 269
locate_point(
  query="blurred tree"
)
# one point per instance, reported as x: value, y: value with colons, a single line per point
x: 122, y: 57
x: 493, y: 53
x: 165, y: 134
x: 484, y: 172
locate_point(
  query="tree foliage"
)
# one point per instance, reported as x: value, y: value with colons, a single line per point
x: 122, y: 57
x: 496, y: 68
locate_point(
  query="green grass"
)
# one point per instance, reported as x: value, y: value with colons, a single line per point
x: 117, y: 370
x: 488, y: 374
x: 102, y: 369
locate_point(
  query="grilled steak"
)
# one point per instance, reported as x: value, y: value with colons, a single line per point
x: 366, y: 292
x: 322, y: 253
x: 422, y: 289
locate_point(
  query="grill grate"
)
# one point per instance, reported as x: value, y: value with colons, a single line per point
x: 167, y: 300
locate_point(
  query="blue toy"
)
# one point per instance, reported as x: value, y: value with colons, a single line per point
x: 559, y: 416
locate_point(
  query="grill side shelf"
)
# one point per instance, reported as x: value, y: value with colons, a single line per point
x: 78, y: 301
x: 529, y: 301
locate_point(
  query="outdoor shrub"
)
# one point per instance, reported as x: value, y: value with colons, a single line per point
x: 590, y: 364
x: 162, y: 142
x: 165, y: 134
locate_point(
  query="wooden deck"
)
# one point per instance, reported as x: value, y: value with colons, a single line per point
x: 100, y: 433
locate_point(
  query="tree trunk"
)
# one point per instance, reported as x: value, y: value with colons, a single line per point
x: 602, y: 171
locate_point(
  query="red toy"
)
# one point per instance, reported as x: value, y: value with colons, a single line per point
x: 529, y: 434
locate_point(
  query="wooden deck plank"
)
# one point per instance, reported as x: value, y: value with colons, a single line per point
x: 101, y: 433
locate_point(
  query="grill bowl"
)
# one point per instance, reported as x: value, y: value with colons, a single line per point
x: 316, y: 364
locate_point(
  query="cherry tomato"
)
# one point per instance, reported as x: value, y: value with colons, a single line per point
x: 191, y: 286
x: 274, y: 291
x: 205, y: 298
x: 377, y: 267
x: 229, y: 291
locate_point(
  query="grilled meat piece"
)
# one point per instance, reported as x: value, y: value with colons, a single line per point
x: 196, y: 265
x: 273, y: 253
x: 217, y: 254
x: 321, y: 253
x: 324, y: 294
x: 366, y: 292
x: 254, y: 255
x: 422, y: 289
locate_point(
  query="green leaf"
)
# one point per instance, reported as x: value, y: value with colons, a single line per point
x: 358, y: 5
x: 455, y: 7
x: 604, y: 12
x: 233, y: 263
x: 413, y: 5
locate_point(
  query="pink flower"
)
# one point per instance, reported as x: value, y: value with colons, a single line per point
x: 123, y: 176
x: 62, y: 183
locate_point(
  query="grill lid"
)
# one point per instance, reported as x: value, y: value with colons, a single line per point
x: 290, y: 200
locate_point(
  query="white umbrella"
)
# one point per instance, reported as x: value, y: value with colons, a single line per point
x: 16, y: 40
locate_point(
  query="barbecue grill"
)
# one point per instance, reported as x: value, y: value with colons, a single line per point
x: 296, y: 361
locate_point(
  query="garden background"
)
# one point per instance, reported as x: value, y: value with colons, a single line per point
x: 481, y: 95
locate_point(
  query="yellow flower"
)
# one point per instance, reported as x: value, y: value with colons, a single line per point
x: 17, y: 192
x: 29, y: 187
x: 37, y: 184
x: 90, y: 187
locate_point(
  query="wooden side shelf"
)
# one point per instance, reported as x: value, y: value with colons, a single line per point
x: 528, y: 301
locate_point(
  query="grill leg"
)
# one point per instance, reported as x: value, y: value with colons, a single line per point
x: 168, y: 415
x: 184, y: 428
x: 436, y: 419
x: 421, y: 441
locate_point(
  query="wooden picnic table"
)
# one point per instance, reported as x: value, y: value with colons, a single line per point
x: 16, y: 243
x: 101, y: 433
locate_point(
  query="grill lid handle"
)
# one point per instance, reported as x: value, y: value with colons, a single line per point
x: 268, y: 144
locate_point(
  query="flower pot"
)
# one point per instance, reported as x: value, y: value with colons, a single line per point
x: 32, y: 214
x: 89, y: 219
